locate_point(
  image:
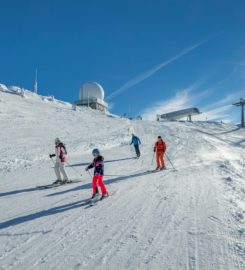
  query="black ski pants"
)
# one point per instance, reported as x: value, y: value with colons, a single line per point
x: 137, y: 150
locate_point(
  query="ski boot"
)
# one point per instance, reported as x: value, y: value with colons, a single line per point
x: 57, y: 182
x: 66, y: 182
x: 103, y: 196
x: 95, y: 195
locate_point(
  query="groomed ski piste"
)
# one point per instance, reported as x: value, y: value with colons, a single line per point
x: 188, y: 218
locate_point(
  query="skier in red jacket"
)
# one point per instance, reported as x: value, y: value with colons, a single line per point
x: 160, y: 148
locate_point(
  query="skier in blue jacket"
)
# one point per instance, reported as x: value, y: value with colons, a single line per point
x: 136, y: 142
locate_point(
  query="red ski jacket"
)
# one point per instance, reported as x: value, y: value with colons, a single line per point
x: 160, y: 146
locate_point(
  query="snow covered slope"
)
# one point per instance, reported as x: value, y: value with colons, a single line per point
x: 29, y: 125
x: 189, y: 218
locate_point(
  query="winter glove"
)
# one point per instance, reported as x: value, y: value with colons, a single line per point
x: 60, y: 157
x: 51, y: 156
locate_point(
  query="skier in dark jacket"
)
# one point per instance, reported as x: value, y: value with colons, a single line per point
x: 136, y: 142
x: 98, y: 165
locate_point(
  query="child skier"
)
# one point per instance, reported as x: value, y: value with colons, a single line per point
x: 59, y: 167
x: 159, y: 149
x: 98, y: 165
x: 136, y: 142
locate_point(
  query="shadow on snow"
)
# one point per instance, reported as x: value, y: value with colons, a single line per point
x: 107, y: 182
x: 14, y: 192
x: 215, y: 135
x: 43, y: 213
x: 65, y: 207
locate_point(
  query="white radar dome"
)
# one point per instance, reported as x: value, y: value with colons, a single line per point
x: 91, y: 90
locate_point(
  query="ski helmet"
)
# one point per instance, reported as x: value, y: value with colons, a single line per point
x: 57, y: 141
x: 95, y: 152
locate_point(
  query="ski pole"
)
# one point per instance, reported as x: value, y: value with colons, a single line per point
x: 73, y: 168
x: 113, y: 175
x: 53, y: 161
x: 131, y: 148
x: 152, y: 158
x: 170, y: 161
x: 89, y: 173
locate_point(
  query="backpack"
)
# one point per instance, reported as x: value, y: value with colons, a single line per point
x: 64, y: 147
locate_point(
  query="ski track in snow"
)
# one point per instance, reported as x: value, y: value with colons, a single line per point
x: 192, y: 218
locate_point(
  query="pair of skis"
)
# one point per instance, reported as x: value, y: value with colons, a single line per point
x: 96, y: 199
x: 155, y: 171
x: 53, y: 185
x: 93, y: 201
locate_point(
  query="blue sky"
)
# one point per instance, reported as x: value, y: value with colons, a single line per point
x: 125, y: 46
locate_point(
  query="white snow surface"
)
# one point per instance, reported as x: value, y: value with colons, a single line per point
x: 188, y: 218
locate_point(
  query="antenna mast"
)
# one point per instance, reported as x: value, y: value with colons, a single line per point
x: 35, y: 83
x: 241, y: 104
